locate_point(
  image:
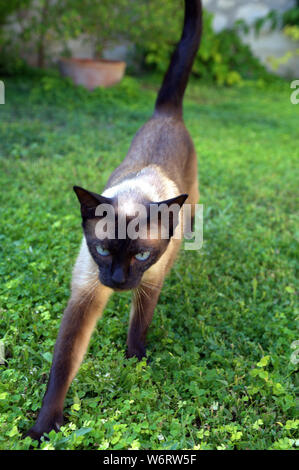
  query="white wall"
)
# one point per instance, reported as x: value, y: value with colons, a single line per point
x: 267, y: 44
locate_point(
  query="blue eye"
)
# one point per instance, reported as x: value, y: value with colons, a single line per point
x: 102, y: 251
x: 143, y: 256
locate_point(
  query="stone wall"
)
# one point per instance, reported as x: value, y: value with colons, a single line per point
x: 267, y: 44
x: 228, y: 11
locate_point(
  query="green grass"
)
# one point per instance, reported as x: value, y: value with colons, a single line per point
x: 220, y: 345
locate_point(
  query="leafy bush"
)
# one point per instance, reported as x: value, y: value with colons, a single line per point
x: 9, y: 63
x: 54, y: 90
x: 154, y: 27
x: 291, y: 16
x: 39, y: 24
x: 222, y: 56
x: 7, y: 8
x: 45, y: 22
x: 291, y: 29
x: 289, y: 22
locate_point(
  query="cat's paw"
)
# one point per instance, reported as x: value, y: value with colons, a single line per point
x: 139, y: 352
x: 39, y: 429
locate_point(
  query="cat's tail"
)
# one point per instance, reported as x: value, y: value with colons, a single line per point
x: 170, y: 96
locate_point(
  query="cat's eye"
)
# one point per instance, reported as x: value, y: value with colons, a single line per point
x: 102, y: 251
x: 143, y: 255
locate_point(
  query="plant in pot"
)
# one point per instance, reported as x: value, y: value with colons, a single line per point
x: 104, y: 24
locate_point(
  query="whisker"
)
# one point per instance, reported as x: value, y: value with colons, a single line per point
x: 138, y: 303
x: 143, y: 291
x: 90, y: 292
x: 150, y: 285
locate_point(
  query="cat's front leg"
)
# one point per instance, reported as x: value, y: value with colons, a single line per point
x: 144, y: 301
x: 79, y: 319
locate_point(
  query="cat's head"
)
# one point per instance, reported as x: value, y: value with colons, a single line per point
x: 126, y: 236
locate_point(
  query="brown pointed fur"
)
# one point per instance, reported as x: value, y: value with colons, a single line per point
x: 162, y: 159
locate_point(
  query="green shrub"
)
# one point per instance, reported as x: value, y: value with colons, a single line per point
x: 7, y: 8
x: 289, y: 22
x: 154, y: 27
x: 45, y: 23
x: 222, y: 56
x: 291, y: 16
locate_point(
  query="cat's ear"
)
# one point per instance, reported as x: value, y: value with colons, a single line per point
x: 89, y: 201
x: 170, y: 216
x: 175, y: 200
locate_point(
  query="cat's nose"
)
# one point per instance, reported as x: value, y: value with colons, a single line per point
x: 118, y: 275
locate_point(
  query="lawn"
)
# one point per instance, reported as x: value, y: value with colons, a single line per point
x: 222, y: 358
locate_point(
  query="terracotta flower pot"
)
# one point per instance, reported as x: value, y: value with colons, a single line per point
x: 92, y: 73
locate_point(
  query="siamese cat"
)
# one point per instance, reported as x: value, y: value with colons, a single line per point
x: 160, y: 168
